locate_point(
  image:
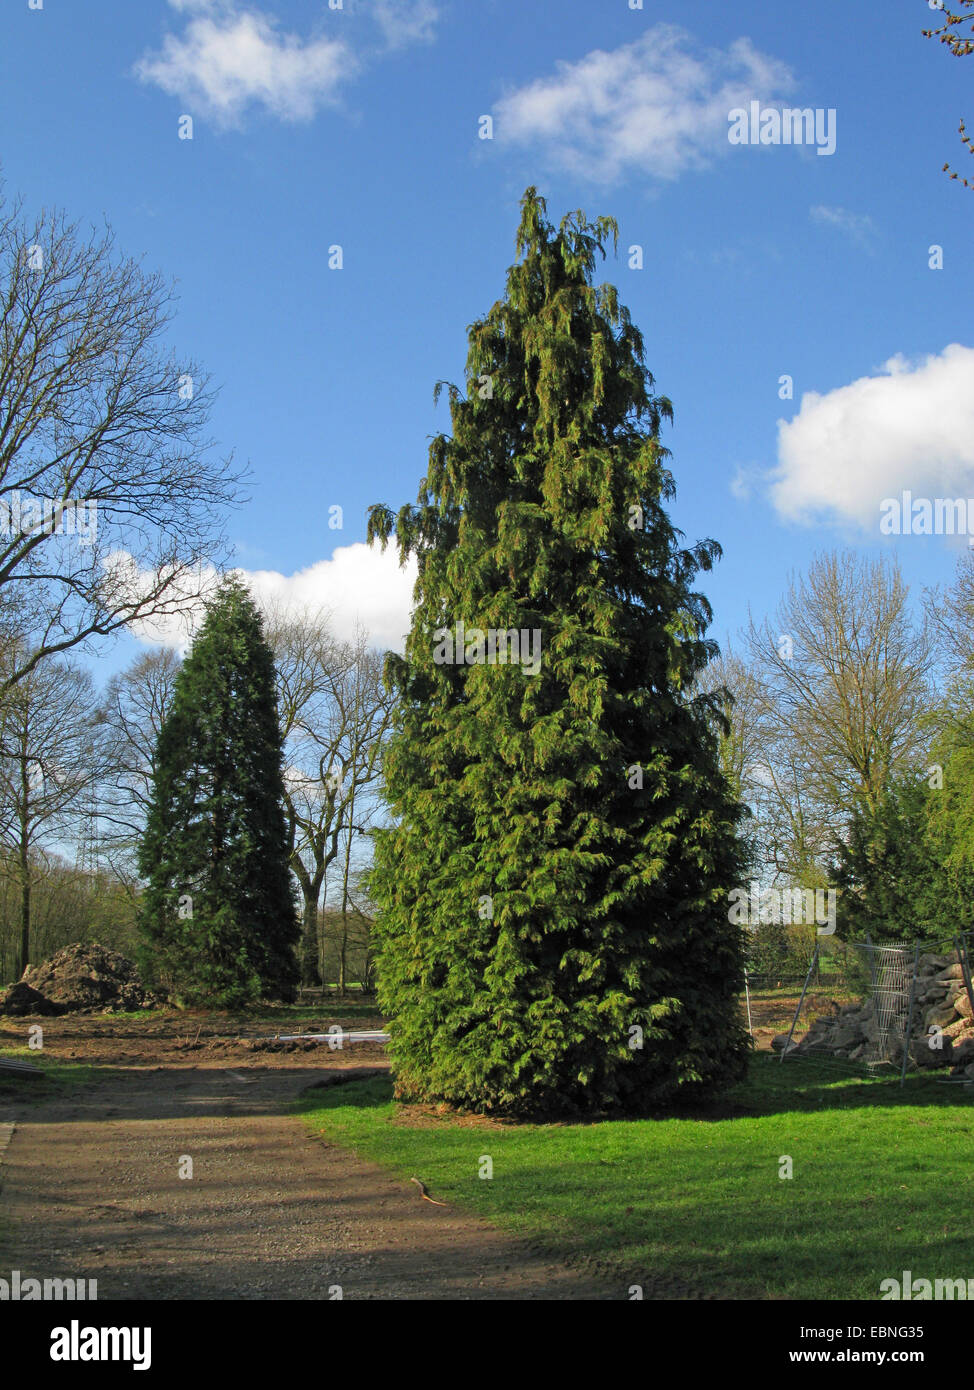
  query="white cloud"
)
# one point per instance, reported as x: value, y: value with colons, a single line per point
x: 858, y: 225
x: 359, y: 585
x: 229, y: 59
x: 910, y: 427
x: 405, y: 21
x: 231, y: 56
x: 657, y: 106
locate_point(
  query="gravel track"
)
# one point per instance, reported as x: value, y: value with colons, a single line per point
x: 90, y: 1187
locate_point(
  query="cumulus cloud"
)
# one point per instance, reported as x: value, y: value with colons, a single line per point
x: 360, y: 586
x: 232, y: 57
x: 658, y: 106
x: 229, y: 59
x: 857, y: 225
x: 911, y: 427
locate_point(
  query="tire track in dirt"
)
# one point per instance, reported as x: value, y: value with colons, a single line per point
x: 92, y: 1189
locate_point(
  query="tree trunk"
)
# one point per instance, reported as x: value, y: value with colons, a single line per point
x: 310, y: 974
x: 24, y: 907
x: 348, y: 856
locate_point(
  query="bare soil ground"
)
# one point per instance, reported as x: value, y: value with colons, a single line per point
x: 773, y: 1013
x: 90, y: 1182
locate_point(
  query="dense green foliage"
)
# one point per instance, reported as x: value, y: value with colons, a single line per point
x: 564, y: 841
x: 905, y: 871
x: 775, y: 948
x: 218, y: 915
x: 890, y: 882
x: 949, y: 839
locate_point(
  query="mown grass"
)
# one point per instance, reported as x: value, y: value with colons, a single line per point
x: 693, y: 1204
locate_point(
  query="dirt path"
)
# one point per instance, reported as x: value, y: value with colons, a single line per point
x: 90, y: 1188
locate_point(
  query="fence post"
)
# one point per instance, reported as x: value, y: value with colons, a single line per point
x: 960, y: 941
x: 909, y: 1016
x: 794, y: 1021
x: 872, y: 968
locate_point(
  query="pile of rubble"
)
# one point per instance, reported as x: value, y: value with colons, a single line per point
x: 943, y: 1026
x: 85, y: 978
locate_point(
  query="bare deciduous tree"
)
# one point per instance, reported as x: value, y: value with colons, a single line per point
x: 789, y: 830
x: 110, y: 492
x: 136, y: 702
x: 335, y: 711
x: 51, y: 752
x: 844, y: 675
x: 732, y: 687
x: 960, y: 45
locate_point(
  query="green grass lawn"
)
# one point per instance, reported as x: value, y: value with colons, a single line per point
x: 694, y: 1205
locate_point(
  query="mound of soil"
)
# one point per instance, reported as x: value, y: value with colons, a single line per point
x: 78, y: 979
x: 21, y: 1002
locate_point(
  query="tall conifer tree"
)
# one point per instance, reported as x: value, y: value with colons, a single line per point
x: 553, y: 934
x: 218, y: 914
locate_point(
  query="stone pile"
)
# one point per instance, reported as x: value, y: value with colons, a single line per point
x: 942, y: 1033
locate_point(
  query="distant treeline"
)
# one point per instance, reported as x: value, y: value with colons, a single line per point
x: 69, y: 905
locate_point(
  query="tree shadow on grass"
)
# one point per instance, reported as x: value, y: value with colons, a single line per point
x: 772, y: 1088
x: 358, y: 1095
x: 691, y: 1211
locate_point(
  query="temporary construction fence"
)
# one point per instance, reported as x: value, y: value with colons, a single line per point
x: 912, y: 1005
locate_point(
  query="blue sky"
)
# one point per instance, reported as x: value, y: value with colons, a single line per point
x: 359, y: 127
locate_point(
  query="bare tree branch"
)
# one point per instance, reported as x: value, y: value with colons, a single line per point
x: 111, y: 495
